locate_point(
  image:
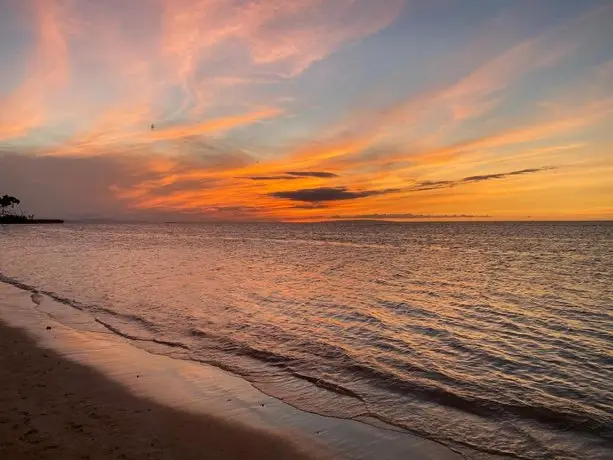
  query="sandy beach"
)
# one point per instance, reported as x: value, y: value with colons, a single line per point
x: 70, y: 389
x: 53, y: 408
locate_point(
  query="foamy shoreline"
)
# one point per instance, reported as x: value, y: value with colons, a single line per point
x: 204, y: 390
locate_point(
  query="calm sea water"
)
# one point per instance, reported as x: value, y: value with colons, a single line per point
x: 495, y: 339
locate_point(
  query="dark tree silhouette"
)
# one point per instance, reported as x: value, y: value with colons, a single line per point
x: 8, y: 214
x: 7, y: 202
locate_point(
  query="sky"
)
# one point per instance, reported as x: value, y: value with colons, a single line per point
x: 308, y: 110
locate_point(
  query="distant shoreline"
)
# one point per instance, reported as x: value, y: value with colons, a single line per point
x: 30, y: 221
x: 363, y: 221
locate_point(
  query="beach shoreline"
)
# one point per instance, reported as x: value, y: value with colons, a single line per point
x: 85, y: 393
x: 54, y: 408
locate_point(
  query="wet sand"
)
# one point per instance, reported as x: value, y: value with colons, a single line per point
x: 70, y: 389
x: 57, y: 409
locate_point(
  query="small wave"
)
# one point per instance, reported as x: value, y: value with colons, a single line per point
x: 33, y: 289
x: 359, y: 317
x: 330, y: 386
x: 198, y: 333
x: 240, y: 348
x: 490, y: 408
x: 130, y: 318
x: 126, y: 335
x: 423, y: 384
x: 405, y: 310
x: 300, y: 349
x: 315, y: 242
x: 79, y: 306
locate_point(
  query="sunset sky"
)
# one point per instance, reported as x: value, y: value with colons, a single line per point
x: 302, y: 110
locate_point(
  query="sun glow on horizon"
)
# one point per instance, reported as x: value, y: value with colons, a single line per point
x: 305, y: 110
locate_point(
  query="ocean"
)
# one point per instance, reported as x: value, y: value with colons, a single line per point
x: 495, y: 339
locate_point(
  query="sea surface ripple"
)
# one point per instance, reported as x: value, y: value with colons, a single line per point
x: 493, y: 338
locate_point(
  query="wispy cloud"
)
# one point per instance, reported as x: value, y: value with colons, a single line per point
x: 281, y: 39
x: 213, y: 126
x: 439, y: 184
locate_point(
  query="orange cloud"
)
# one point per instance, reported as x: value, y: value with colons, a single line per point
x: 474, y: 95
x: 131, y: 128
x: 47, y: 70
x: 233, y: 189
x: 217, y: 125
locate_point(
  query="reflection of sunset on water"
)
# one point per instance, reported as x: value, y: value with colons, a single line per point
x: 488, y: 337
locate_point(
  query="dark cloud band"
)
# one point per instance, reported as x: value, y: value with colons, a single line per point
x: 439, y: 184
x: 293, y: 175
x: 321, y: 194
x: 320, y: 174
